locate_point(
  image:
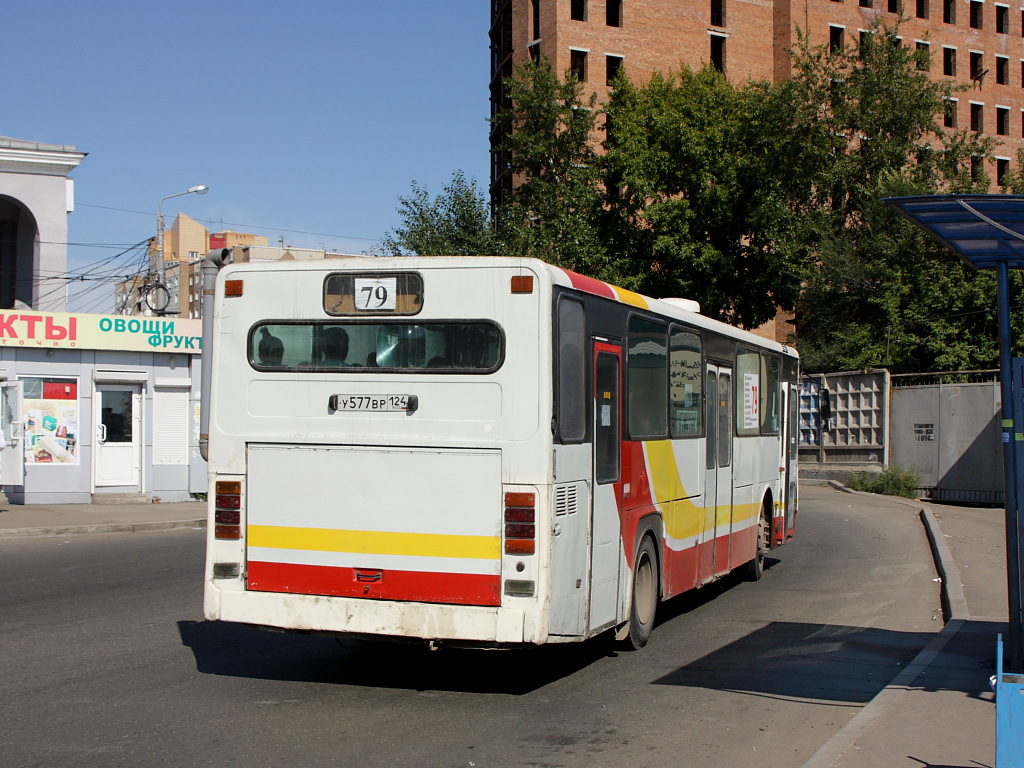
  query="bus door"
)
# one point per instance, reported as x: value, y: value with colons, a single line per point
x: 714, y: 538
x: 606, y: 526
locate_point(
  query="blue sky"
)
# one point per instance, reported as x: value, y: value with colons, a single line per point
x: 306, y: 119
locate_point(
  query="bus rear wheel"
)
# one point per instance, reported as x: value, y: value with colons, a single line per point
x: 755, y: 568
x: 645, y: 596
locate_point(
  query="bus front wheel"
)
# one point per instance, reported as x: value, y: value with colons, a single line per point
x: 645, y: 595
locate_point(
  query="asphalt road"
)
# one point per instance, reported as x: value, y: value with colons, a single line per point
x: 105, y: 660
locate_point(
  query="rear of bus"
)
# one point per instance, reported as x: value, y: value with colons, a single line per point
x: 379, y: 447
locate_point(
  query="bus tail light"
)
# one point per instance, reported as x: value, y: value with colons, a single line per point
x: 520, y: 523
x: 227, y: 509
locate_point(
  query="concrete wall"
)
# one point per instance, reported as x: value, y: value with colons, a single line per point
x: 34, y: 176
x: 950, y: 435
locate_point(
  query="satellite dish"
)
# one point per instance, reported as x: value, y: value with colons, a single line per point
x: 157, y: 297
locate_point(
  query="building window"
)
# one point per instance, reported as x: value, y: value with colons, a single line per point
x: 49, y: 415
x: 866, y: 3
x: 1002, y: 166
x: 718, y: 13
x: 977, y: 117
x: 922, y: 9
x: 924, y: 60
x: 613, y: 13
x: 977, y: 18
x: 535, y: 10
x: 718, y: 52
x: 1003, y: 121
x: 1002, y: 19
x: 1002, y: 70
x: 534, y: 49
x: 949, y: 114
x: 977, y: 169
x: 835, y: 38
x: 977, y: 65
x: 611, y: 68
x: 893, y: 6
x: 170, y: 427
x: 949, y: 61
x: 578, y: 10
x: 578, y: 64
x: 949, y: 11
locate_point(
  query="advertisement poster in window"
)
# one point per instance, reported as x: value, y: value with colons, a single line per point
x: 751, y: 403
x: 50, y: 408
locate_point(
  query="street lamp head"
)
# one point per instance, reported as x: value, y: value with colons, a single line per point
x: 200, y: 189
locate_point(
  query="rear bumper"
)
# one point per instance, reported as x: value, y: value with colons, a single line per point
x: 345, y: 615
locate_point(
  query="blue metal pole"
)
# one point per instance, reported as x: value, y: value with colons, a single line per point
x: 1010, y: 484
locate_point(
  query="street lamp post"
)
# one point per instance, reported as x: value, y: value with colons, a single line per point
x: 199, y: 189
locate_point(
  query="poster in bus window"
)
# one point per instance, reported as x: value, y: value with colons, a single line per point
x: 50, y: 408
x: 751, y: 403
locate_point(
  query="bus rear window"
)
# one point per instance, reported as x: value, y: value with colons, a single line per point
x: 360, y: 347
x: 373, y: 293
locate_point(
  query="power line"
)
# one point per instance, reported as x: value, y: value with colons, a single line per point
x: 245, y: 226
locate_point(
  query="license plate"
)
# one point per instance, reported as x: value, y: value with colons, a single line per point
x: 371, y: 403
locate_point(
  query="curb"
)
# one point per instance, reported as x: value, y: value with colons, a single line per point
x: 76, y: 530
x: 954, y: 602
x: 954, y: 605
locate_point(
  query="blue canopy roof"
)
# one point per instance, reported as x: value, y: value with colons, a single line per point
x: 984, y: 230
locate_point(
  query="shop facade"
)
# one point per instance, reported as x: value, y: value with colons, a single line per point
x: 99, y: 406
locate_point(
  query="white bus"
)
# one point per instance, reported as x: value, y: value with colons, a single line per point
x: 482, y: 451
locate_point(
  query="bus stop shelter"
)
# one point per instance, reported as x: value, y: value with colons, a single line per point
x: 987, y: 231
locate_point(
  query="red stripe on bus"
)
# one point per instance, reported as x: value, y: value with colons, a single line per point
x: 590, y: 285
x: 412, y: 586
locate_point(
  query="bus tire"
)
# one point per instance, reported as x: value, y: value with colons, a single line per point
x: 644, y: 605
x: 755, y: 568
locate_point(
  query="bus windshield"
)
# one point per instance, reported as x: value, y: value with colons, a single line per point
x: 365, y: 347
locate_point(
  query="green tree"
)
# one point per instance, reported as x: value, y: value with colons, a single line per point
x: 455, y: 223
x: 557, y: 209
x: 701, y: 173
x: 877, y: 290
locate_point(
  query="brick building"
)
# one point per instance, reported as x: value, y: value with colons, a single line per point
x: 977, y: 42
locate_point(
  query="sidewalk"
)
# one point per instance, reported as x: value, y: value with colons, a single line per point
x: 68, y: 519
x: 940, y: 711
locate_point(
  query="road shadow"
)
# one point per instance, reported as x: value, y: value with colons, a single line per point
x: 842, y: 664
x: 237, y: 650
x: 696, y: 598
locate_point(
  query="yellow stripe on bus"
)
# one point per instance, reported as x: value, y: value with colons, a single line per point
x: 375, y: 542
x: 628, y: 297
x: 683, y: 518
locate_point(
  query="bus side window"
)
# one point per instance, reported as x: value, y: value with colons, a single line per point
x: 571, y: 405
x: 748, y: 395
x: 686, y: 400
x: 648, y: 379
x: 769, y: 394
